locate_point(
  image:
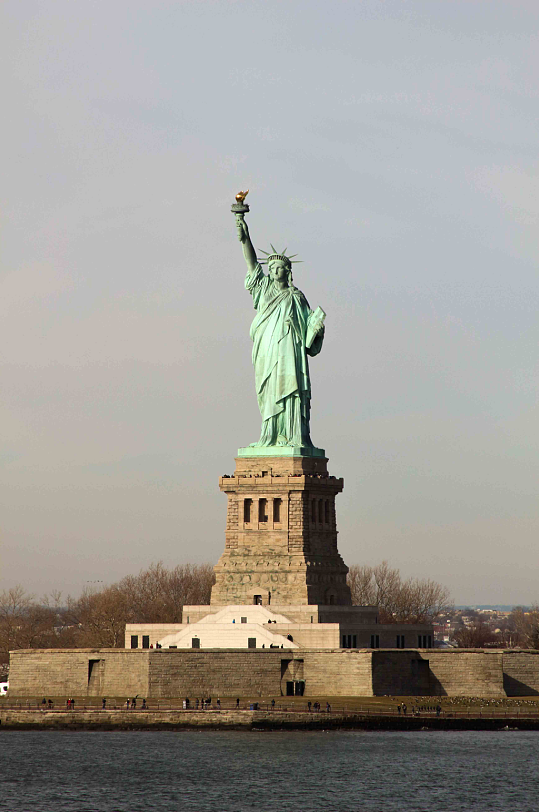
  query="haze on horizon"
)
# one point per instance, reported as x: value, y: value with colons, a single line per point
x: 393, y: 146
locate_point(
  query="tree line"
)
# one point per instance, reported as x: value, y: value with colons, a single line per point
x: 97, y: 618
x: 520, y: 629
x: 411, y: 600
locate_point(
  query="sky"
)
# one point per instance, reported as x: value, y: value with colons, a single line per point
x: 393, y: 146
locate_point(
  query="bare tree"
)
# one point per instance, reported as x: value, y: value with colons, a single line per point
x: 476, y: 635
x: 362, y: 586
x: 411, y: 601
x: 526, y: 625
x: 25, y: 623
x: 421, y: 600
x: 155, y: 595
x: 99, y: 617
x: 158, y: 594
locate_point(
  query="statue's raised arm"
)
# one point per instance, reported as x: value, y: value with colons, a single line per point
x: 240, y: 209
x: 248, y: 251
x: 285, y: 332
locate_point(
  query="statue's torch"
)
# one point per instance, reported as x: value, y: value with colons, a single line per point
x: 240, y: 209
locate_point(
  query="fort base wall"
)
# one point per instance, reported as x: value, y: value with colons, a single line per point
x: 78, y: 672
x: 341, y: 672
x: 466, y: 672
x: 165, y: 673
x: 217, y: 672
x: 427, y: 672
x: 521, y: 673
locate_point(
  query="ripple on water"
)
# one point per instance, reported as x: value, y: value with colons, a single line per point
x: 214, y: 771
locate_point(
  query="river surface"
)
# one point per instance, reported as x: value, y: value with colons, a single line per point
x: 351, y: 771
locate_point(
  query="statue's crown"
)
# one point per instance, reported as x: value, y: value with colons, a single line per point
x: 276, y: 255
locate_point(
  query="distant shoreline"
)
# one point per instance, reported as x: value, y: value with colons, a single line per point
x: 109, y: 720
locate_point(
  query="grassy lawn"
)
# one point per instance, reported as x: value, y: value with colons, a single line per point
x: 371, y: 705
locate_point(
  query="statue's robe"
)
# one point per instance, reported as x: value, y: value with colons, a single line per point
x: 283, y: 385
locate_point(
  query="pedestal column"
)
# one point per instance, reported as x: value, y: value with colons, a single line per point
x: 281, y: 534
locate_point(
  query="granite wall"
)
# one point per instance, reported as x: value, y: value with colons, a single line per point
x: 79, y: 672
x: 161, y: 673
x: 521, y: 673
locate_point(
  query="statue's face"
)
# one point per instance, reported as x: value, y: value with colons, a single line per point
x: 279, y: 271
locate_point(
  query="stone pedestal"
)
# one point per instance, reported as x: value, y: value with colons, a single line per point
x: 281, y: 534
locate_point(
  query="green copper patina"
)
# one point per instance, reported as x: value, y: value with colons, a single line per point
x: 284, y: 332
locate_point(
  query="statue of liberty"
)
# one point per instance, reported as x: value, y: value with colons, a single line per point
x: 284, y: 332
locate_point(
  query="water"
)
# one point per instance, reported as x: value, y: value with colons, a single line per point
x: 269, y: 772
